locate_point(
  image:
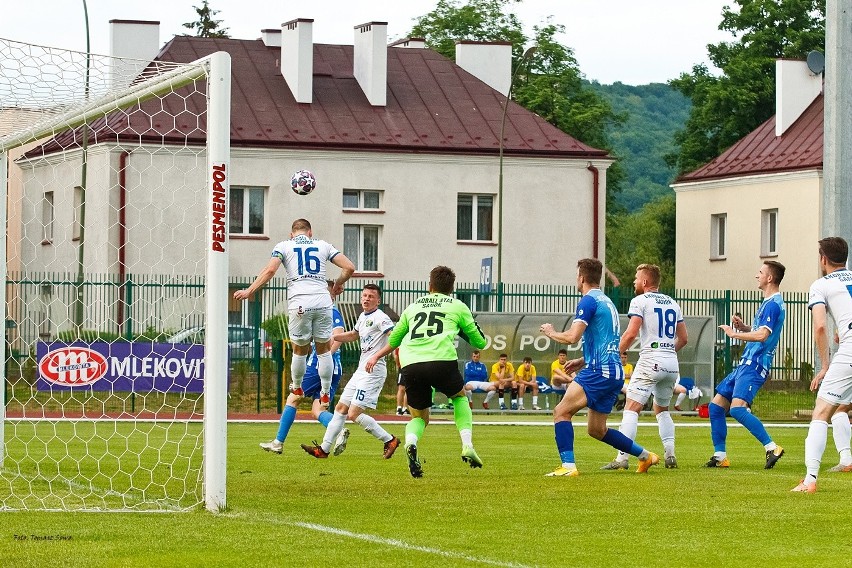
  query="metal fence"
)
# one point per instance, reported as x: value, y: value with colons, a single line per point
x: 40, y: 307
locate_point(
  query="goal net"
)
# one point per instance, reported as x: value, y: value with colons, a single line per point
x: 115, y: 198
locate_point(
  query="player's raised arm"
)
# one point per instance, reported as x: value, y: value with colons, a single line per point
x: 265, y: 276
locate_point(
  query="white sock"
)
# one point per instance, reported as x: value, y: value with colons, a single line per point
x: 297, y: 370
x: 369, y: 424
x: 629, y: 425
x: 490, y: 395
x: 815, y: 445
x: 466, y: 437
x: 469, y: 396
x: 666, y: 426
x: 680, y: 398
x: 410, y: 440
x: 535, y: 400
x: 842, y: 431
x: 325, y: 367
x: 331, y: 433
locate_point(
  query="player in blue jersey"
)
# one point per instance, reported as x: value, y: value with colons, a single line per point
x: 737, y: 391
x: 600, y: 375
x: 311, y: 387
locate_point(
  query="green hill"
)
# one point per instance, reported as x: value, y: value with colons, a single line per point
x: 654, y: 112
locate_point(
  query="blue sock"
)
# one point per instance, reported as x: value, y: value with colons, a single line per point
x: 752, y: 424
x: 287, y: 419
x: 621, y: 442
x: 325, y: 417
x: 718, y: 427
x: 565, y: 440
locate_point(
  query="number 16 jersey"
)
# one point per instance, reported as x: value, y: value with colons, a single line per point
x: 660, y: 315
x: 305, y: 260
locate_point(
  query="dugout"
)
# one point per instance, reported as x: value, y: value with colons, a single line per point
x: 518, y: 336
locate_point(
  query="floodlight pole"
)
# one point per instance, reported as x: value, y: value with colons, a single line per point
x: 524, y: 59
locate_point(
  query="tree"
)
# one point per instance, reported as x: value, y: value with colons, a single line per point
x: 726, y: 108
x: 206, y: 26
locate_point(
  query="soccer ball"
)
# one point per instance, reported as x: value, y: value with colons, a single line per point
x: 303, y: 182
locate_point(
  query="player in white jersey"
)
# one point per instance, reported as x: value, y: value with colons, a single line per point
x: 831, y: 294
x: 363, y: 389
x: 308, y: 302
x: 658, y: 322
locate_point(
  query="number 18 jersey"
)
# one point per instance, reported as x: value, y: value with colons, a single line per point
x: 660, y: 315
x: 305, y: 260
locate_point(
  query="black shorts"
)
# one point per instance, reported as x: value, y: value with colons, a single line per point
x: 420, y: 378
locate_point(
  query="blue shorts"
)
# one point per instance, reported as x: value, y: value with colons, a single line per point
x: 743, y: 382
x: 601, y: 392
x: 311, y: 384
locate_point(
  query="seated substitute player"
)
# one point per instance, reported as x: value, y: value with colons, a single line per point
x: 830, y: 295
x: 598, y: 383
x: 559, y: 379
x: 426, y: 335
x: 503, y: 375
x: 657, y: 321
x: 736, y: 392
x: 476, y: 377
x: 363, y: 389
x: 311, y: 387
x: 525, y: 377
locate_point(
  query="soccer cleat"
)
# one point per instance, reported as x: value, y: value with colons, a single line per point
x: 716, y: 462
x: 399, y: 411
x: 297, y: 390
x: 274, y: 446
x: 324, y: 399
x: 502, y: 406
x: 485, y: 405
x: 514, y: 406
x: 677, y: 408
x: 470, y: 457
x: 614, y: 465
x: 840, y: 468
x: 519, y: 407
x: 340, y: 442
x: 390, y: 447
x: 645, y: 465
x: 406, y: 411
x: 802, y: 488
x: 315, y: 450
x: 413, y: 463
x: 772, y: 457
x: 563, y: 471
x: 536, y: 407
x: 671, y: 462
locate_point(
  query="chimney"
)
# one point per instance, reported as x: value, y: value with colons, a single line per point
x: 271, y: 37
x: 132, y: 39
x: 795, y: 89
x: 297, y: 58
x: 412, y: 42
x: 371, y: 61
x: 490, y: 62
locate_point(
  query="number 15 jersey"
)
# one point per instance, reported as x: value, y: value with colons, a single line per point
x: 305, y: 260
x: 660, y: 315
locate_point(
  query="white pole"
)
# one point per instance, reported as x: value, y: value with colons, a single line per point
x: 3, y: 193
x: 216, y: 289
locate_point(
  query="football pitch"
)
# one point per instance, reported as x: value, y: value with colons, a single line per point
x: 360, y: 510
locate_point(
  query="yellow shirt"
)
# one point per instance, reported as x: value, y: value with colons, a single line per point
x: 525, y: 375
x: 556, y: 366
x: 628, y: 370
x: 495, y: 369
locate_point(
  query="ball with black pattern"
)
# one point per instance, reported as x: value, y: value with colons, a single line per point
x: 303, y: 182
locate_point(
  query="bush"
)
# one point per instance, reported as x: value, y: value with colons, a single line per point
x: 275, y: 327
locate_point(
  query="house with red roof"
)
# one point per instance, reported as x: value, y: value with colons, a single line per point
x: 760, y: 199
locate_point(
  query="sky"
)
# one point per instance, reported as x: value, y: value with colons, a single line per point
x: 632, y: 41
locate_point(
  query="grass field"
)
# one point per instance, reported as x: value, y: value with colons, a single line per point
x: 360, y: 510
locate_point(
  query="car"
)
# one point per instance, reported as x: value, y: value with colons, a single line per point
x: 242, y: 340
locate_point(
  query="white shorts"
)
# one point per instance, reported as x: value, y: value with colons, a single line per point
x: 478, y: 385
x: 363, y: 389
x: 313, y: 323
x: 836, y: 386
x: 653, y: 378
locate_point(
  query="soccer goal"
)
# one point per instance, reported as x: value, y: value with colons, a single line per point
x: 115, y: 199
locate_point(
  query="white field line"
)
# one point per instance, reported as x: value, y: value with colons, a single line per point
x: 275, y: 519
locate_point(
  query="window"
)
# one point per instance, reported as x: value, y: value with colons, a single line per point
x: 47, y: 216
x: 769, y: 232
x: 77, y: 229
x: 247, y: 210
x: 718, y: 235
x: 475, y: 215
x: 361, y: 246
x: 360, y: 199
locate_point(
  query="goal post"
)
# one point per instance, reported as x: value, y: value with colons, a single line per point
x: 116, y: 244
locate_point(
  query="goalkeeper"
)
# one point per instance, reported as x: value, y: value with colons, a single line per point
x: 425, y: 335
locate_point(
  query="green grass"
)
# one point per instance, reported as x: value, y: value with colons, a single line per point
x: 507, y: 513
